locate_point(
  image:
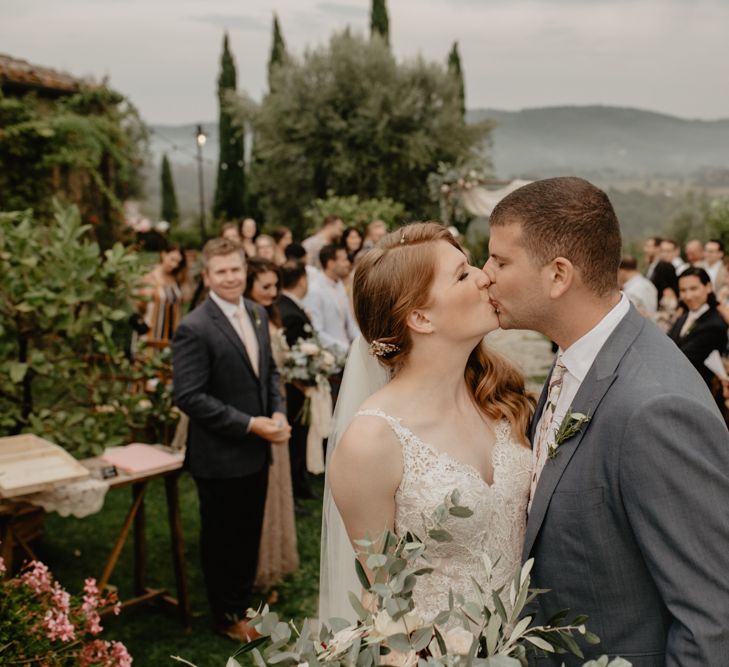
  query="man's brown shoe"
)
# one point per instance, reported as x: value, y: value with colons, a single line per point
x: 240, y: 631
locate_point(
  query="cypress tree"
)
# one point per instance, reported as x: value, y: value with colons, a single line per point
x: 169, y: 211
x: 454, y: 67
x: 278, y: 48
x: 379, y: 22
x: 230, y: 185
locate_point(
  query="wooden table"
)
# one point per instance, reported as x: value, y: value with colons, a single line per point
x: 11, y: 511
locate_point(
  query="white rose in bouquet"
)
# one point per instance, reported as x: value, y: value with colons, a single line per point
x: 385, y: 626
x: 399, y: 659
x: 458, y: 641
x: 309, y: 349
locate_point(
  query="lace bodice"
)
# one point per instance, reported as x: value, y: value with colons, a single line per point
x: 496, y: 527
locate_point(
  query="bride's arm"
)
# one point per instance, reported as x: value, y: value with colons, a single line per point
x: 364, y: 473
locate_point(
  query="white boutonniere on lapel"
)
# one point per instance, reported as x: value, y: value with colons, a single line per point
x: 571, y: 425
x: 256, y: 317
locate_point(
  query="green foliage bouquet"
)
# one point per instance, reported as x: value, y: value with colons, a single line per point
x: 478, y: 631
x: 41, y: 624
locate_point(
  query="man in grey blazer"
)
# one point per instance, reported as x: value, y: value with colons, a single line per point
x: 629, y: 515
x: 226, y: 381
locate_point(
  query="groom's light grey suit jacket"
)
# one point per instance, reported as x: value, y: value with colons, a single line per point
x: 630, y: 520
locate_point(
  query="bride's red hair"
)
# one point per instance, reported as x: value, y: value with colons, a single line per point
x: 393, y: 279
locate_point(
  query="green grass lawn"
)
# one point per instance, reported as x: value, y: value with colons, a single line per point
x: 78, y: 548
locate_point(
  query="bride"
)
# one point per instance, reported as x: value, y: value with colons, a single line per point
x: 442, y: 412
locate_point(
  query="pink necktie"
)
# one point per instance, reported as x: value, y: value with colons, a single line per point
x: 545, y: 425
x: 248, y: 336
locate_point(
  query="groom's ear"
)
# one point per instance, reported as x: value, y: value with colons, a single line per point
x: 419, y: 322
x: 561, y: 276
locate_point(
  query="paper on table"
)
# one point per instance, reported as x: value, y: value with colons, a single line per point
x: 139, y: 457
x: 714, y: 363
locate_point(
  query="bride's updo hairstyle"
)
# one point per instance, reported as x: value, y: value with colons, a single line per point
x: 395, y: 278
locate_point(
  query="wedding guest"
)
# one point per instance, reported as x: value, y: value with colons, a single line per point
x: 230, y: 231
x: 295, y: 252
x: 161, y: 292
x: 329, y: 233
x: 265, y: 247
x: 714, y: 256
x: 641, y: 292
x: 651, y: 248
x: 249, y: 232
x: 670, y: 252
x: 701, y: 329
x: 331, y: 311
x: 226, y: 381
x: 283, y: 238
x: 374, y: 232
x: 278, y: 555
x: 295, y: 320
x: 694, y: 251
x: 352, y: 242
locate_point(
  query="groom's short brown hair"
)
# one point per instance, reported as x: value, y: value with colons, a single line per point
x: 571, y: 218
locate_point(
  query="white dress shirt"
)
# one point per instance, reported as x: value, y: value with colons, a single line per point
x: 578, y: 358
x: 330, y: 312
x: 713, y: 271
x: 642, y: 293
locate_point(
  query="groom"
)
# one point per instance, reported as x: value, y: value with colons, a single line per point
x: 629, y: 517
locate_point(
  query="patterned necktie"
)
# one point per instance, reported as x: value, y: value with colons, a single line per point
x: 248, y: 336
x: 546, y: 425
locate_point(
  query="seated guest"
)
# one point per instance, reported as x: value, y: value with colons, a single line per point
x: 641, y: 291
x: 327, y: 300
x: 700, y: 329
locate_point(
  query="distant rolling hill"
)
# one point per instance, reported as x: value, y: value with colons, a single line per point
x: 605, y: 143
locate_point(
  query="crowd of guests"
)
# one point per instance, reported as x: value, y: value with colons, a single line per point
x: 256, y: 295
x: 688, y: 297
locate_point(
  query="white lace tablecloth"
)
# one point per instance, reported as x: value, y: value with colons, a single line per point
x: 79, y: 499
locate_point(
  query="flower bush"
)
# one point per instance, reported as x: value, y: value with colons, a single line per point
x: 42, y: 624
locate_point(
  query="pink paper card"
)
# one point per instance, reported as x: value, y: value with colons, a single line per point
x: 138, y: 457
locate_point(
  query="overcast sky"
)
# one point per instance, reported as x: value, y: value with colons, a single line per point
x: 664, y: 55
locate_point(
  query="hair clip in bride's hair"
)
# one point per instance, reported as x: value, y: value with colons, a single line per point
x: 402, y: 237
x: 380, y: 349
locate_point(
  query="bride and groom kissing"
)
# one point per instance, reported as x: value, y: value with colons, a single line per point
x: 616, y: 482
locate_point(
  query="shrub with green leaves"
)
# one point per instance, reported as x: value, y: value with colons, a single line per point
x: 354, y: 211
x: 64, y: 308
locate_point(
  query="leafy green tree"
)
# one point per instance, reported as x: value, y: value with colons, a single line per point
x: 354, y: 211
x: 169, y: 212
x: 278, y: 50
x: 351, y: 120
x: 85, y: 148
x: 64, y: 306
x: 454, y: 67
x: 230, y: 185
x: 379, y: 20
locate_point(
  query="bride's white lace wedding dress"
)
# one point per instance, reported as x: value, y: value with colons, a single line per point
x: 496, y: 527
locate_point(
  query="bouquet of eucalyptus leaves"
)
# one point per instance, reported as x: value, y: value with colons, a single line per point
x: 481, y: 631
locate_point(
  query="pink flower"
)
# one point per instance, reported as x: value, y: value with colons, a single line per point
x: 37, y: 577
x: 93, y: 623
x: 121, y: 655
x: 60, y: 598
x: 58, y: 626
x: 91, y: 596
x: 3, y: 569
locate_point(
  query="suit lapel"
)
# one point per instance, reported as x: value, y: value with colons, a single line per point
x: 540, y: 405
x: 222, y: 322
x: 257, y: 322
x: 597, y: 382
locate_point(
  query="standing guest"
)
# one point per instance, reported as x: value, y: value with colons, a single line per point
x: 374, y: 232
x: 161, y: 292
x: 295, y: 320
x: 641, y: 292
x: 226, y: 381
x: 329, y: 233
x: 352, y: 242
x: 249, y: 232
x: 331, y: 311
x: 714, y: 257
x: 701, y: 329
x: 295, y: 252
x: 265, y: 247
x: 230, y: 231
x: 694, y: 251
x: 670, y: 252
x: 651, y: 248
x: 283, y: 238
x: 277, y: 556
